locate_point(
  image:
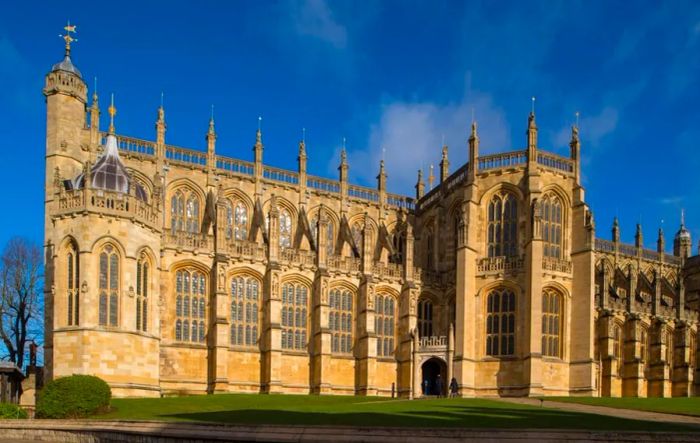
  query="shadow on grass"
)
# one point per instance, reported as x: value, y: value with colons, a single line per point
x: 442, y: 417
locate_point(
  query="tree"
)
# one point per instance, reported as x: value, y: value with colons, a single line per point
x: 20, y: 299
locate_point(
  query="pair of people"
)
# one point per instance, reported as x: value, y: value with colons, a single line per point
x: 440, y: 387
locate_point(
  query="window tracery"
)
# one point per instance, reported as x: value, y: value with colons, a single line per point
x: 500, y: 323
x: 245, y: 292
x: 295, y: 302
x: 340, y: 315
x: 425, y: 318
x: 552, y: 226
x: 384, y: 324
x: 142, y: 286
x: 190, y: 305
x: 551, y: 323
x: 502, y: 225
x: 109, y: 286
x: 73, y: 284
x: 184, y: 211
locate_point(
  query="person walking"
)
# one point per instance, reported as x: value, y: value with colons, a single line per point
x: 425, y: 387
x: 453, y: 387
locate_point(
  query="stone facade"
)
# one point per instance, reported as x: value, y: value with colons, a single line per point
x: 213, y: 274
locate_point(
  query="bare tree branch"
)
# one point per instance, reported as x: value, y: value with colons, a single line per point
x: 20, y: 299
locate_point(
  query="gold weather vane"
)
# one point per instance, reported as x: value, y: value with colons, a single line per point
x: 67, y: 36
x: 112, y: 112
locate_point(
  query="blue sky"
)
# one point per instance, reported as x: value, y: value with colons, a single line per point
x: 386, y: 75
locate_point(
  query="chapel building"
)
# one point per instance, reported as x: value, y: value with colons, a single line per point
x: 173, y: 270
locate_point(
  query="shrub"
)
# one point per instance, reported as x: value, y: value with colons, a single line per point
x: 73, y: 397
x: 10, y: 411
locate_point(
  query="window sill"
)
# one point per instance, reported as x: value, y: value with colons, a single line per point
x: 297, y: 353
x: 500, y: 358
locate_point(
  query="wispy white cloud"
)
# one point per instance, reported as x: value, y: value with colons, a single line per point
x: 409, y: 134
x: 315, y: 18
x: 592, y: 128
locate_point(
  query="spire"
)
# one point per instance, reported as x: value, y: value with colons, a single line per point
x: 258, y: 134
x: 431, y: 178
x: 343, y: 168
x: 444, y: 163
x: 638, y: 238
x: 112, y: 112
x: 381, y: 178
x: 575, y: 146
x: 258, y: 147
x: 302, y: 152
x: 682, y: 243
x: 160, y: 128
x: 211, y: 131
x: 473, y: 167
x: 660, y: 242
x: 532, y: 130
x: 616, y: 230
x: 420, y: 185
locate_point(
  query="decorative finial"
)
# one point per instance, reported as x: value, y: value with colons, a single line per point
x: 94, y: 94
x: 211, y: 121
x: 112, y: 112
x: 67, y: 37
x: 682, y: 217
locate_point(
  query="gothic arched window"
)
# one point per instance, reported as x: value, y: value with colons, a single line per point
x: 669, y: 347
x: 693, y: 350
x: 429, y: 249
x: 330, y: 235
x: 184, y: 212
x: 384, y: 324
x: 644, y: 347
x: 245, y: 294
x: 190, y: 305
x: 73, y: 284
x: 617, y: 347
x: 551, y: 323
x: 552, y: 226
x: 142, y: 286
x: 295, y: 302
x: 340, y: 315
x: 503, y: 225
x: 500, y: 323
x: 399, y: 243
x: 109, y: 287
x: 240, y: 221
x: 357, y: 232
x: 425, y: 318
x: 285, y: 220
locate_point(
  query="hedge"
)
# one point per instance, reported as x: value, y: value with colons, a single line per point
x: 75, y: 396
x: 10, y: 411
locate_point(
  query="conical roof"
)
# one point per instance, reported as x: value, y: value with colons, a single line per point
x: 109, y: 173
x: 66, y: 65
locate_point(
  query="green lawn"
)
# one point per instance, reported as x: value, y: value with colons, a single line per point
x: 364, y: 411
x: 678, y: 405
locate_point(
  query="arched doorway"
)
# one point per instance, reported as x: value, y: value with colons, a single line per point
x: 434, y: 372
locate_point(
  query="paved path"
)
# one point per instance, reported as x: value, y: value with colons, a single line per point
x: 632, y: 414
x: 92, y: 431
